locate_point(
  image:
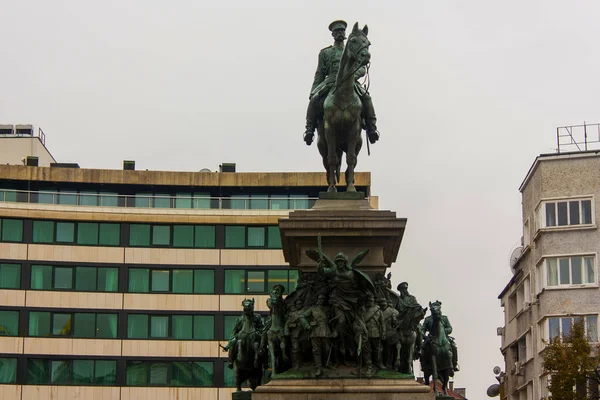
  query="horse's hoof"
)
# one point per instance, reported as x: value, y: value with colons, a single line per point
x: 350, y: 188
x: 332, y: 189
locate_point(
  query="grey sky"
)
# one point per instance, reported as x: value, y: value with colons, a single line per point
x: 467, y: 94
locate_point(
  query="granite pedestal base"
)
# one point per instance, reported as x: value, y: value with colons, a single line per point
x: 343, y: 389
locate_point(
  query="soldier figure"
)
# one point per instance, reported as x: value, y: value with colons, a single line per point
x: 428, y: 326
x: 391, y: 343
x: 327, y: 69
x: 293, y: 329
x: 319, y: 331
x: 373, y: 318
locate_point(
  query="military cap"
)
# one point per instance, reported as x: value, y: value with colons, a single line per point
x: 339, y: 24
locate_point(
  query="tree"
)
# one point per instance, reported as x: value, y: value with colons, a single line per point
x: 570, y: 363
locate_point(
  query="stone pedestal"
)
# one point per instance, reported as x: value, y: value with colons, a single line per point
x: 347, y: 225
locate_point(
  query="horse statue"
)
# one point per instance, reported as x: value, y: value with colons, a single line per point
x: 436, y: 359
x: 340, y: 129
x: 247, y: 361
x: 409, y: 337
x: 275, y: 330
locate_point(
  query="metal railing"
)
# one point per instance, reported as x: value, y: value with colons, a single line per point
x: 156, y: 201
x: 578, y: 138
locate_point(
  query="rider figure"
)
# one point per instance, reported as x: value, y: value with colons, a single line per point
x: 327, y: 69
x: 428, y: 326
x: 232, y: 346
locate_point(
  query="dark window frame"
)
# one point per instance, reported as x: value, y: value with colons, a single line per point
x: 170, y: 326
x: 171, y: 275
x: 71, y: 334
x: 73, y: 278
x: 76, y: 232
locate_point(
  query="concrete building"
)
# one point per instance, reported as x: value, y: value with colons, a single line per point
x: 555, y: 277
x: 121, y: 284
x: 22, y: 141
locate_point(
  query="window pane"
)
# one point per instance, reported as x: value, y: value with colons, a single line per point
x: 43, y: 232
x: 137, y: 373
x: 293, y: 279
x: 83, y: 372
x: 69, y: 198
x: 159, y: 373
x: 204, y: 236
x: 47, y: 197
x: 85, y: 325
x: 63, y: 278
x: 279, y: 202
x: 576, y: 271
x: 256, y: 282
x: 550, y: 214
x: 60, y: 372
x: 161, y: 235
x: 105, y: 373
x: 8, y: 370
x: 88, y: 198
x: 552, y: 271
x: 159, y: 327
x: 87, y: 233
x: 574, y: 213
x: 39, y: 323
x: 564, y: 271
x: 62, y: 324
x: 41, y: 277
x: 299, y: 201
x: 85, y: 279
x: 274, y: 237
x: 591, y: 322
x: 137, y: 326
x: 202, y: 200
x: 562, y: 213
x: 108, y: 279
x: 235, y: 236
x: 235, y: 281
x: 106, y: 327
x: 204, y: 281
x: 160, y: 281
x: 10, y: 276
x: 204, y: 327
x: 183, y: 281
x: 9, y: 324
x: 139, y: 235
x: 590, y: 275
x: 183, y: 200
x: 182, y: 327
x: 239, y: 202
x: 183, y: 236
x: 139, y: 280
x: 229, y: 322
x: 228, y: 376
x: 554, y: 327
x: 110, y: 234
x: 65, y: 232
x: 565, y: 324
x: 162, y: 201
x: 256, y: 236
x: 109, y: 200
x: 38, y: 372
x: 278, y: 277
x: 259, y: 202
x: 586, y: 211
x: 143, y: 200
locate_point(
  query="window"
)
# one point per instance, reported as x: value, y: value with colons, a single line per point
x: 239, y: 236
x: 176, y: 327
x: 274, y: 237
x: 43, y: 232
x: 184, y: 281
x: 12, y: 230
x: 566, y: 213
x: 82, y: 279
x: 83, y: 233
x: 8, y: 370
x: 77, y: 325
x: 169, y: 373
x: 556, y: 327
x: 183, y: 236
x: 568, y: 271
x: 9, y: 324
x: 279, y: 202
x: 72, y: 372
x: 239, y: 281
x: 235, y: 236
x: 10, y: 276
x: 256, y: 236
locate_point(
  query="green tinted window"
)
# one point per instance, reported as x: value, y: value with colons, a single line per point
x: 137, y: 326
x: 108, y: 279
x: 183, y: 200
x: 160, y: 281
x: 159, y: 326
x: 105, y: 372
x: 87, y: 233
x: 8, y: 370
x: 60, y: 373
x: 256, y: 236
x: 85, y: 279
x: 110, y: 234
x: 228, y: 376
x: 63, y: 278
x: 273, y: 237
x: 83, y: 372
x: 182, y: 327
x: 204, y: 327
x: 142, y: 200
x: 279, y: 202
x: 12, y: 230
x: 88, y: 198
x: 235, y: 236
x: 161, y: 235
x: 235, y: 281
x: 39, y: 323
x: 293, y: 280
x: 41, y: 277
x: 239, y: 201
x: 194, y: 373
x: 106, y: 326
x: 137, y: 373
x: 159, y: 373
x: 162, y: 201
x: 204, y: 281
x: 229, y: 322
x: 69, y: 198
x: 65, y: 232
x: 259, y: 202
x: 183, y: 281
x: 38, y: 372
x: 201, y: 200
x: 256, y: 281
x: 183, y: 236
x: 139, y: 235
x: 10, y: 276
x: 9, y: 324
x: 139, y: 280
x: 84, y: 325
x: 62, y: 324
x: 278, y: 277
x: 204, y: 237
x: 43, y: 232
x: 109, y: 200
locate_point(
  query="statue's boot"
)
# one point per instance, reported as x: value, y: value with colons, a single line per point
x: 455, y: 359
x: 369, y: 371
x: 380, y: 359
x: 318, y: 371
x: 368, y: 112
x: 312, y: 114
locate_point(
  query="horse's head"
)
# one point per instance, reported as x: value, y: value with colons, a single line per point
x: 436, y: 308
x: 248, y: 305
x: 358, y: 45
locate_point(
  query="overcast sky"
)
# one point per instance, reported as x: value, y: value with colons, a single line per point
x: 467, y: 94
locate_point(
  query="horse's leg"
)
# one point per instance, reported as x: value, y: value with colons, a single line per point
x: 272, y: 354
x: 351, y: 160
x: 434, y: 373
x: 238, y: 379
x: 332, y: 158
x: 411, y: 351
x: 282, y: 346
x: 398, y: 355
x: 323, y: 150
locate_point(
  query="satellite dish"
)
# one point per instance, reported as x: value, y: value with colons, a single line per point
x: 205, y: 170
x: 497, y: 370
x: 493, y: 390
x: 514, y: 257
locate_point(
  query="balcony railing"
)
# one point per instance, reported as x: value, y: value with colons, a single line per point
x: 183, y: 202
